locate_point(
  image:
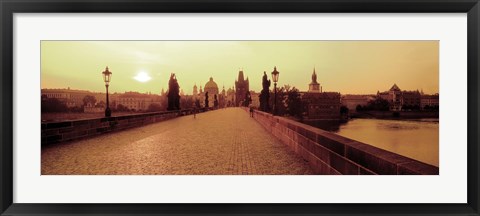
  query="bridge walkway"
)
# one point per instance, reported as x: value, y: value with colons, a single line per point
x: 220, y: 142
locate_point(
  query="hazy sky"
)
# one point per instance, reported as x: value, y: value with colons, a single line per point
x: 348, y: 67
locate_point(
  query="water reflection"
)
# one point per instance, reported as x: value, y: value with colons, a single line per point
x: 328, y: 125
x: 417, y: 139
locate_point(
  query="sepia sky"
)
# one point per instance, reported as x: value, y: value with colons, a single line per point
x: 348, y: 67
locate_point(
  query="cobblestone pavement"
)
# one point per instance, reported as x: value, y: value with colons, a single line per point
x: 221, y: 142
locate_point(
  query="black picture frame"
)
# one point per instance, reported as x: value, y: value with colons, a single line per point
x: 9, y: 7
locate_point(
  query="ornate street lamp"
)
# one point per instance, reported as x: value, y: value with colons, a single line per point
x: 106, y: 78
x: 275, y: 75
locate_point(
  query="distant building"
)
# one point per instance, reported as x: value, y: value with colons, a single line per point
x: 403, y: 100
x: 255, y: 99
x: 224, y: 93
x: 230, y: 97
x: 136, y: 101
x: 351, y: 101
x: 320, y: 105
x: 201, y: 97
x: 429, y: 101
x: 314, y: 86
x: 411, y: 100
x: 212, y: 88
x: 90, y: 108
x: 222, y: 98
x: 72, y: 98
x: 241, y: 88
x: 393, y: 96
x: 195, y: 91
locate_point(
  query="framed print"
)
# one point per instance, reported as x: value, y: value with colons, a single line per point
x: 213, y: 107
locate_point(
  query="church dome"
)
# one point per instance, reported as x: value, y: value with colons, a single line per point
x: 211, y: 84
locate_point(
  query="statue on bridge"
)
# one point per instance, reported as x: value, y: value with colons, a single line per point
x: 173, y: 93
x: 265, y: 94
x: 206, y: 99
x: 215, y: 101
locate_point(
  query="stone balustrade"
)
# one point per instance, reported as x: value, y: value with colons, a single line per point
x: 58, y: 132
x: 329, y: 153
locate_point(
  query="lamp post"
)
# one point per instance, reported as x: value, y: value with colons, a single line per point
x: 275, y: 75
x: 106, y: 78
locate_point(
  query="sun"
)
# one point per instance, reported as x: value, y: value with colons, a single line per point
x: 142, y: 76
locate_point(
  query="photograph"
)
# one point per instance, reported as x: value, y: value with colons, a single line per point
x: 227, y: 107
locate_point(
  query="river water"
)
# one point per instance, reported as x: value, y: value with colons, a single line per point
x: 417, y: 139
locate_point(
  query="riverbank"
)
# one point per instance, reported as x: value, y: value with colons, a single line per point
x: 399, y: 115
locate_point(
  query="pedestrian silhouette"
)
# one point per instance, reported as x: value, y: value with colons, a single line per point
x: 251, y: 111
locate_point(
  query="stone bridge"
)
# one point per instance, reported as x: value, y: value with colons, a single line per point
x: 219, y: 142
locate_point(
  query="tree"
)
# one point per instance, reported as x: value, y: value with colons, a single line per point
x: 173, y: 93
x: 122, y: 108
x: 359, y: 108
x: 53, y: 105
x: 294, y: 103
x: 154, y: 107
x: 163, y: 102
x: 406, y: 107
x: 430, y: 108
x: 379, y: 104
x: 281, y: 96
x: 344, y: 110
x: 100, y: 104
x: 186, y: 102
x: 89, y: 99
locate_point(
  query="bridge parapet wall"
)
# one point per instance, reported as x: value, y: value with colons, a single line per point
x: 329, y: 153
x: 57, y: 132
